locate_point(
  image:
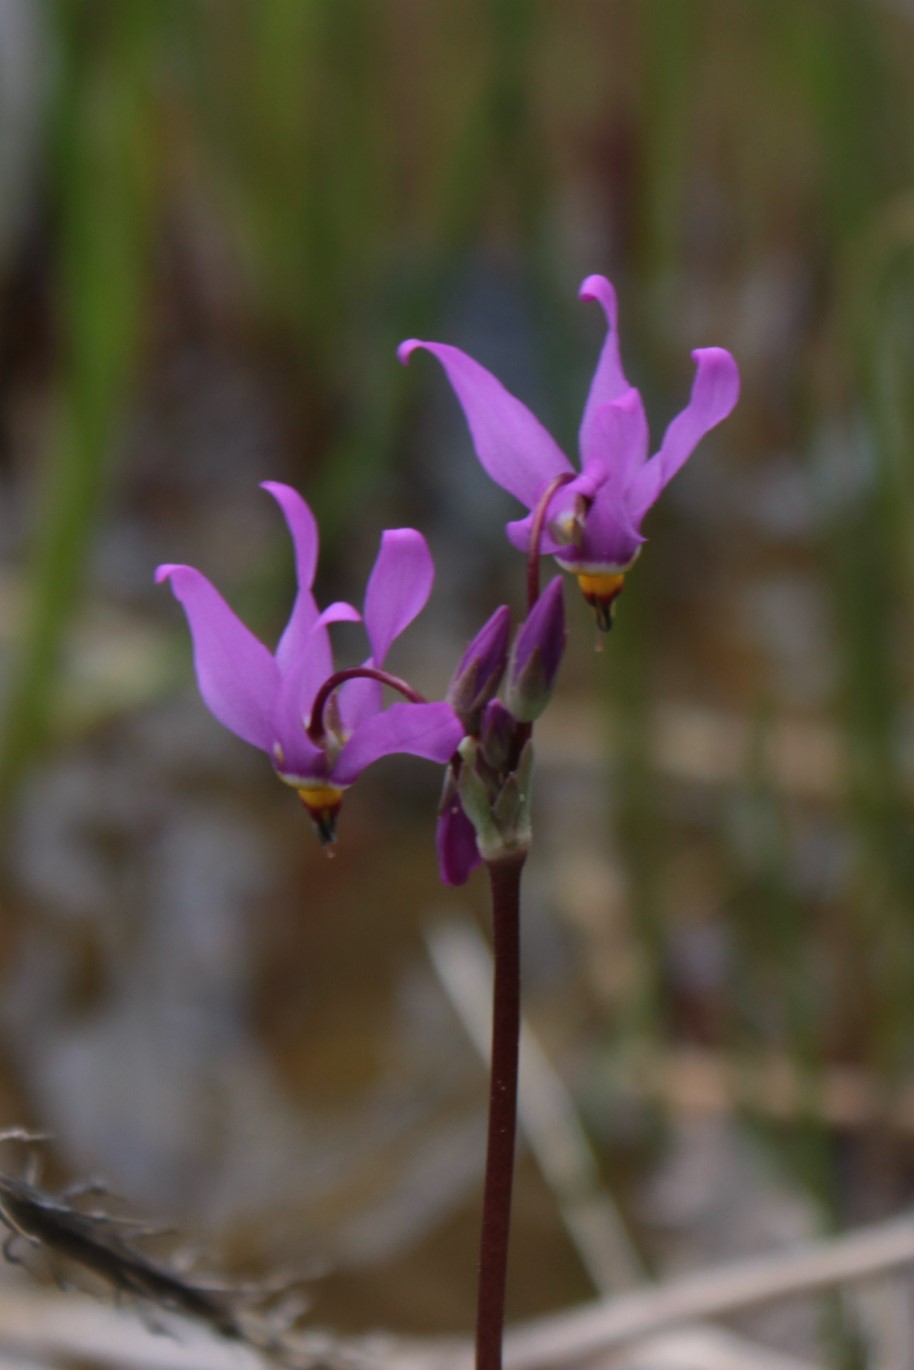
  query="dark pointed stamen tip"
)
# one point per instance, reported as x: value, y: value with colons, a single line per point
x: 325, y: 823
x: 604, y: 614
x: 323, y: 805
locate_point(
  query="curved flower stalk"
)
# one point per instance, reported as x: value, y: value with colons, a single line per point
x: 595, y: 515
x: 268, y: 698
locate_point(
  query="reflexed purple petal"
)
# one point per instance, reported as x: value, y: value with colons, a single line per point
x: 511, y: 443
x: 303, y: 529
x: 298, y: 756
x: 715, y: 391
x: 398, y: 587
x: 618, y: 439
x: 237, y: 676
x: 300, y: 682
x: 432, y: 731
x: 644, y: 490
x: 458, y: 851
x: 609, y: 379
x: 305, y: 670
x: 311, y: 666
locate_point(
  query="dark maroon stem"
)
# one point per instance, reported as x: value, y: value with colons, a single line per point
x: 536, y: 536
x: 504, y: 881
x: 316, y: 726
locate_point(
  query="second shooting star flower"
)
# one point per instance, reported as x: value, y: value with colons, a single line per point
x: 594, y: 516
x: 268, y: 698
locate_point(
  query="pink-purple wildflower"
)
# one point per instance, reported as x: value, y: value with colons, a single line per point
x: 594, y: 520
x: 266, y: 698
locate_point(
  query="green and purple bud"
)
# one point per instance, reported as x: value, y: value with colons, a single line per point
x: 496, y: 805
x: 477, y: 678
x: 537, y: 656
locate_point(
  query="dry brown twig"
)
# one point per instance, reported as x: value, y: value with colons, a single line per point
x: 52, y: 1329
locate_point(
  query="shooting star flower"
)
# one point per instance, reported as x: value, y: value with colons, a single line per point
x: 594, y: 518
x: 319, y: 728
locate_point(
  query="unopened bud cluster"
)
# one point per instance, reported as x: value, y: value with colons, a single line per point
x: 485, y: 807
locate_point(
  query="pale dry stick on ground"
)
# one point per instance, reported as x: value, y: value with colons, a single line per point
x: 699, y: 1348
x: 50, y: 1329
x: 579, y: 1334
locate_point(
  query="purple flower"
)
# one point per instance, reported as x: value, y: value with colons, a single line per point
x: 266, y: 698
x: 594, y: 523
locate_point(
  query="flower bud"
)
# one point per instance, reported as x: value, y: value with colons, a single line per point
x: 480, y: 671
x: 458, y: 851
x: 537, y: 655
x: 496, y: 806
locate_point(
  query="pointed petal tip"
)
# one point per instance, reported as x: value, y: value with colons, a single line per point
x: 407, y: 348
x: 554, y: 589
x: 287, y: 497
x: 720, y: 366
x: 294, y: 506
x: 601, y: 289
x: 181, y: 578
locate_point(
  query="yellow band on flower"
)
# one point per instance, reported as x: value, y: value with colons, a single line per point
x: 600, y: 592
x: 601, y: 587
x: 323, y: 804
x: 320, y: 796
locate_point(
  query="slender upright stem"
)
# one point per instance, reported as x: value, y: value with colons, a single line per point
x: 504, y: 881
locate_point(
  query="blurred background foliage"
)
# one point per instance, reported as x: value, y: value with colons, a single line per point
x: 216, y: 222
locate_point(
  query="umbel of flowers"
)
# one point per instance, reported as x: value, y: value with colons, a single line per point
x: 321, y: 727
